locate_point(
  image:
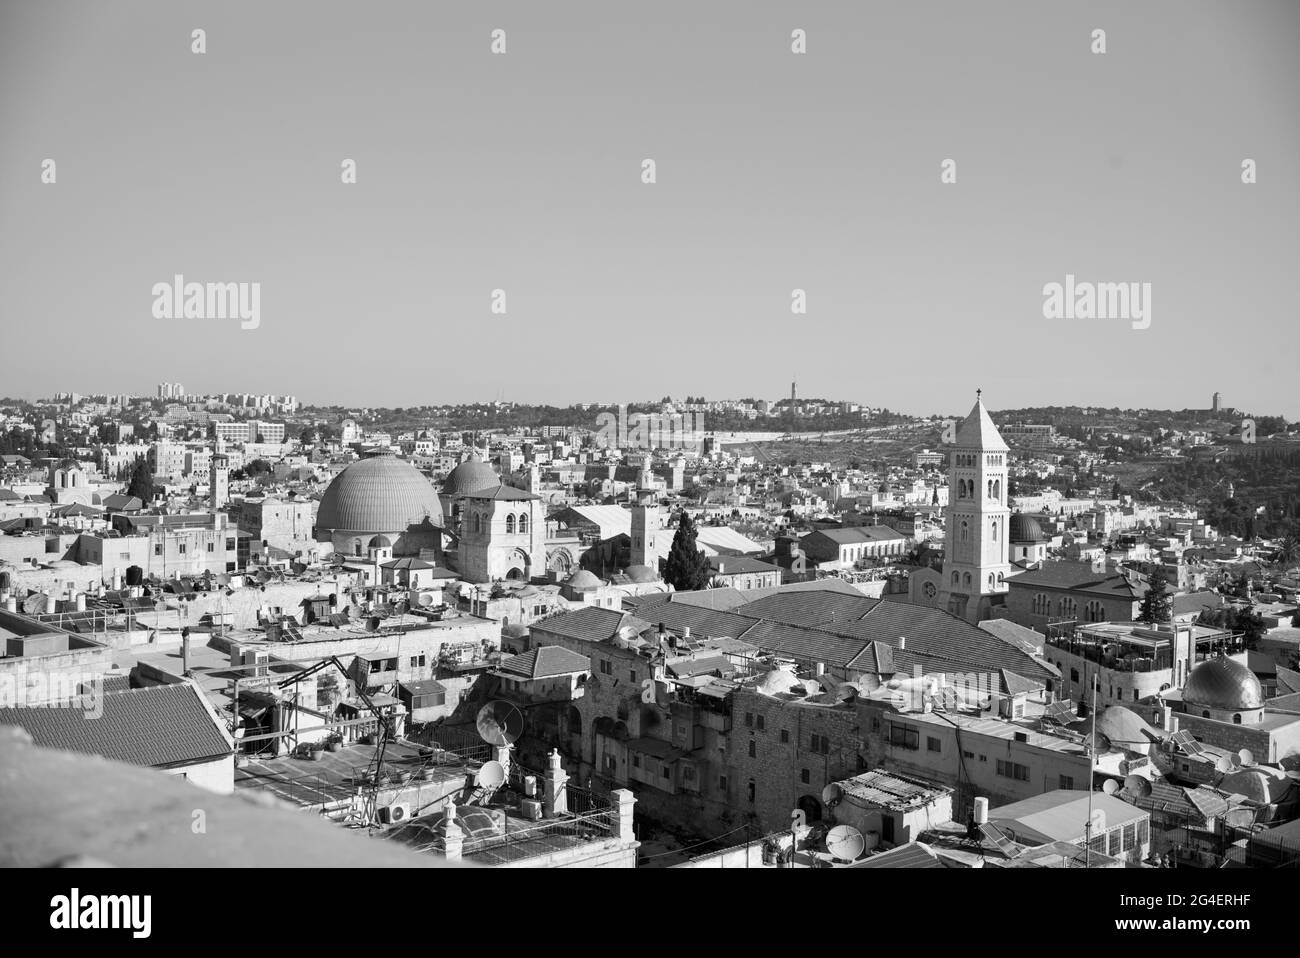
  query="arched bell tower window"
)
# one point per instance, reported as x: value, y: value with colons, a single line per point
x: 523, y: 522
x: 510, y: 524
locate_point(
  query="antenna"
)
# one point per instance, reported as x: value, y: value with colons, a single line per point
x: 845, y: 843
x: 500, y: 723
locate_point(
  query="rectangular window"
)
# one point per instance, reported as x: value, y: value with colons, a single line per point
x: 212, y: 547
x: 1067, y: 781
x: 785, y: 735
x: 753, y: 750
x: 931, y: 744
x: 722, y: 783
x: 967, y: 754
x: 761, y: 723
x: 632, y: 673
x: 181, y: 548
x: 667, y: 772
x: 805, y: 776
x: 230, y: 545
x: 636, y: 759
x: 605, y: 667
x: 904, y: 736
x: 157, y: 549
x: 749, y: 720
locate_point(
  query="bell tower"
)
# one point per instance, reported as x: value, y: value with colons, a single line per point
x: 976, y: 562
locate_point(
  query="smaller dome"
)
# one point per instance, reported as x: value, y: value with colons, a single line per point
x: 640, y: 573
x: 1224, y: 684
x: 380, y: 542
x: 583, y: 581
x: 472, y: 475
x: 1026, y: 529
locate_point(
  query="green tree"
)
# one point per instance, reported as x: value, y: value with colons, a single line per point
x: 1157, y: 603
x: 141, y: 484
x: 687, y: 569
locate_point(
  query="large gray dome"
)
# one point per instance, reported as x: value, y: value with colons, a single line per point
x: 379, y: 493
x: 1224, y: 684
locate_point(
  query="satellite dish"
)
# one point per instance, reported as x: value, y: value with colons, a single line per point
x: 1234, y: 759
x: 1224, y: 765
x: 1246, y: 756
x: 1137, y: 785
x: 491, y: 775
x: 372, y: 624
x: 845, y: 843
x: 832, y: 794
x: 1110, y: 787
x: 500, y: 723
x: 846, y: 692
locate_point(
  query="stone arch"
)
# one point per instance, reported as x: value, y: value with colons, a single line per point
x: 811, y: 806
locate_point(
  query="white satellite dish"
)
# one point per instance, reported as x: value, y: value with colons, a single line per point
x: 1224, y: 765
x: 1110, y: 787
x: 845, y: 843
x: 1246, y: 757
x: 491, y: 775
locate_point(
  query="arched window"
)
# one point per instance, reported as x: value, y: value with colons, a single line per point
x: 1236, y: 719
x: 997, y: 489
x: 510, y: 524
x: 995, y: 530
x: 956, y: 578
x: 966, y: 580
x: 523, y: 522
x: 965, y: 530
x: 990, y: 495
x: 356, y: 547
x: 991, y: 580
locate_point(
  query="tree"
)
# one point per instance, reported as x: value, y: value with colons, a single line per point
x: 687, y: 569
x: 1157, y: 605
x: 141, y: 484
x: 1288, y: 550
x: 1115, y: 491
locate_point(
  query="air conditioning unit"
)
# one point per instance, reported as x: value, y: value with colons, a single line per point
x: 395, y: 813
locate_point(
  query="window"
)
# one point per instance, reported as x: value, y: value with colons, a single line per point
x: 1130, y: 836
x: 1074, y: 675
x: 967, y: 754
x: 785, y: 735
x: 632, y: 674
x: 804, y: 776
x: 749, y: 720
x: 1009, y: 769
x: 761, y: 723
x: 230, y: 545
x: 523, y: 522
x: 157, y: 549
x: 606, y: 667
x: 722, y: 783
x: 932, y: 744
x: 510, y: 525
x: 1067, y: 782
x: 667, y: 772
x: 212, y: 547
x: 904, y: 736
x: 753, y: 749
x: 636, y: 759
x: 751, y: 791
x: 181, y: 548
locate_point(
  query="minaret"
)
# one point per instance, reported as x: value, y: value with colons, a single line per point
x: 219, y: 480
x: 645, y: 529
x: 975, y: 544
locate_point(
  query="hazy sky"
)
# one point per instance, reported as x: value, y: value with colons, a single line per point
x: 775, y: 171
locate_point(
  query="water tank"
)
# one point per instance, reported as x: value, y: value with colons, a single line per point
x: 981, y: 810
x: 134, y: 575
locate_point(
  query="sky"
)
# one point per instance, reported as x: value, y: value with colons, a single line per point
x: 775, y: 171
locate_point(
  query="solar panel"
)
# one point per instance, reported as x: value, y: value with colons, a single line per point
x: 1061, y: 712
x: 994, y: 834
x: 1183, y: 739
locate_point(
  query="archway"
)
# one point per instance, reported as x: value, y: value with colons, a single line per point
x: 811, y: 807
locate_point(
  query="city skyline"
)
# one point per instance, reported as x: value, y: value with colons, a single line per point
x: 776, y: 172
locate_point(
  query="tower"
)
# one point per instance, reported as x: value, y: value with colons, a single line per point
x: 1216, y: 403
x: 219, y: 481
x: 975, y: 544
x: 645, y: 528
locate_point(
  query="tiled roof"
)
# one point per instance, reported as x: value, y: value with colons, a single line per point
x: 545, y: 662
x: 590, y: 624
x: 851, y: 535
x: 158, y: 726
x: 1076, y: 577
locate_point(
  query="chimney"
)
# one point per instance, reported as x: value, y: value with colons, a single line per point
x: 185, y: 651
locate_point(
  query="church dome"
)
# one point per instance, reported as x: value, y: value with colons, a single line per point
x: 472, y: 475
x: 1026, y: 529
x: 1223, y: 684
x: 378, y: 493
x: 583, y: 581
x: 640, y: 573
x: 380, y: 542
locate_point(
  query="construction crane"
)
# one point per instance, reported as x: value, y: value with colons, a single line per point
x: 376, y: 765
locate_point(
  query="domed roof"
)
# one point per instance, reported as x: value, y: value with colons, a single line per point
x: 380, y: 542
x: 640, y: 573
x: 1026, y: 529
x: 470, y: 476
x: 1222, y: 683
x: 583, y: 581
x: 379, y: 493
